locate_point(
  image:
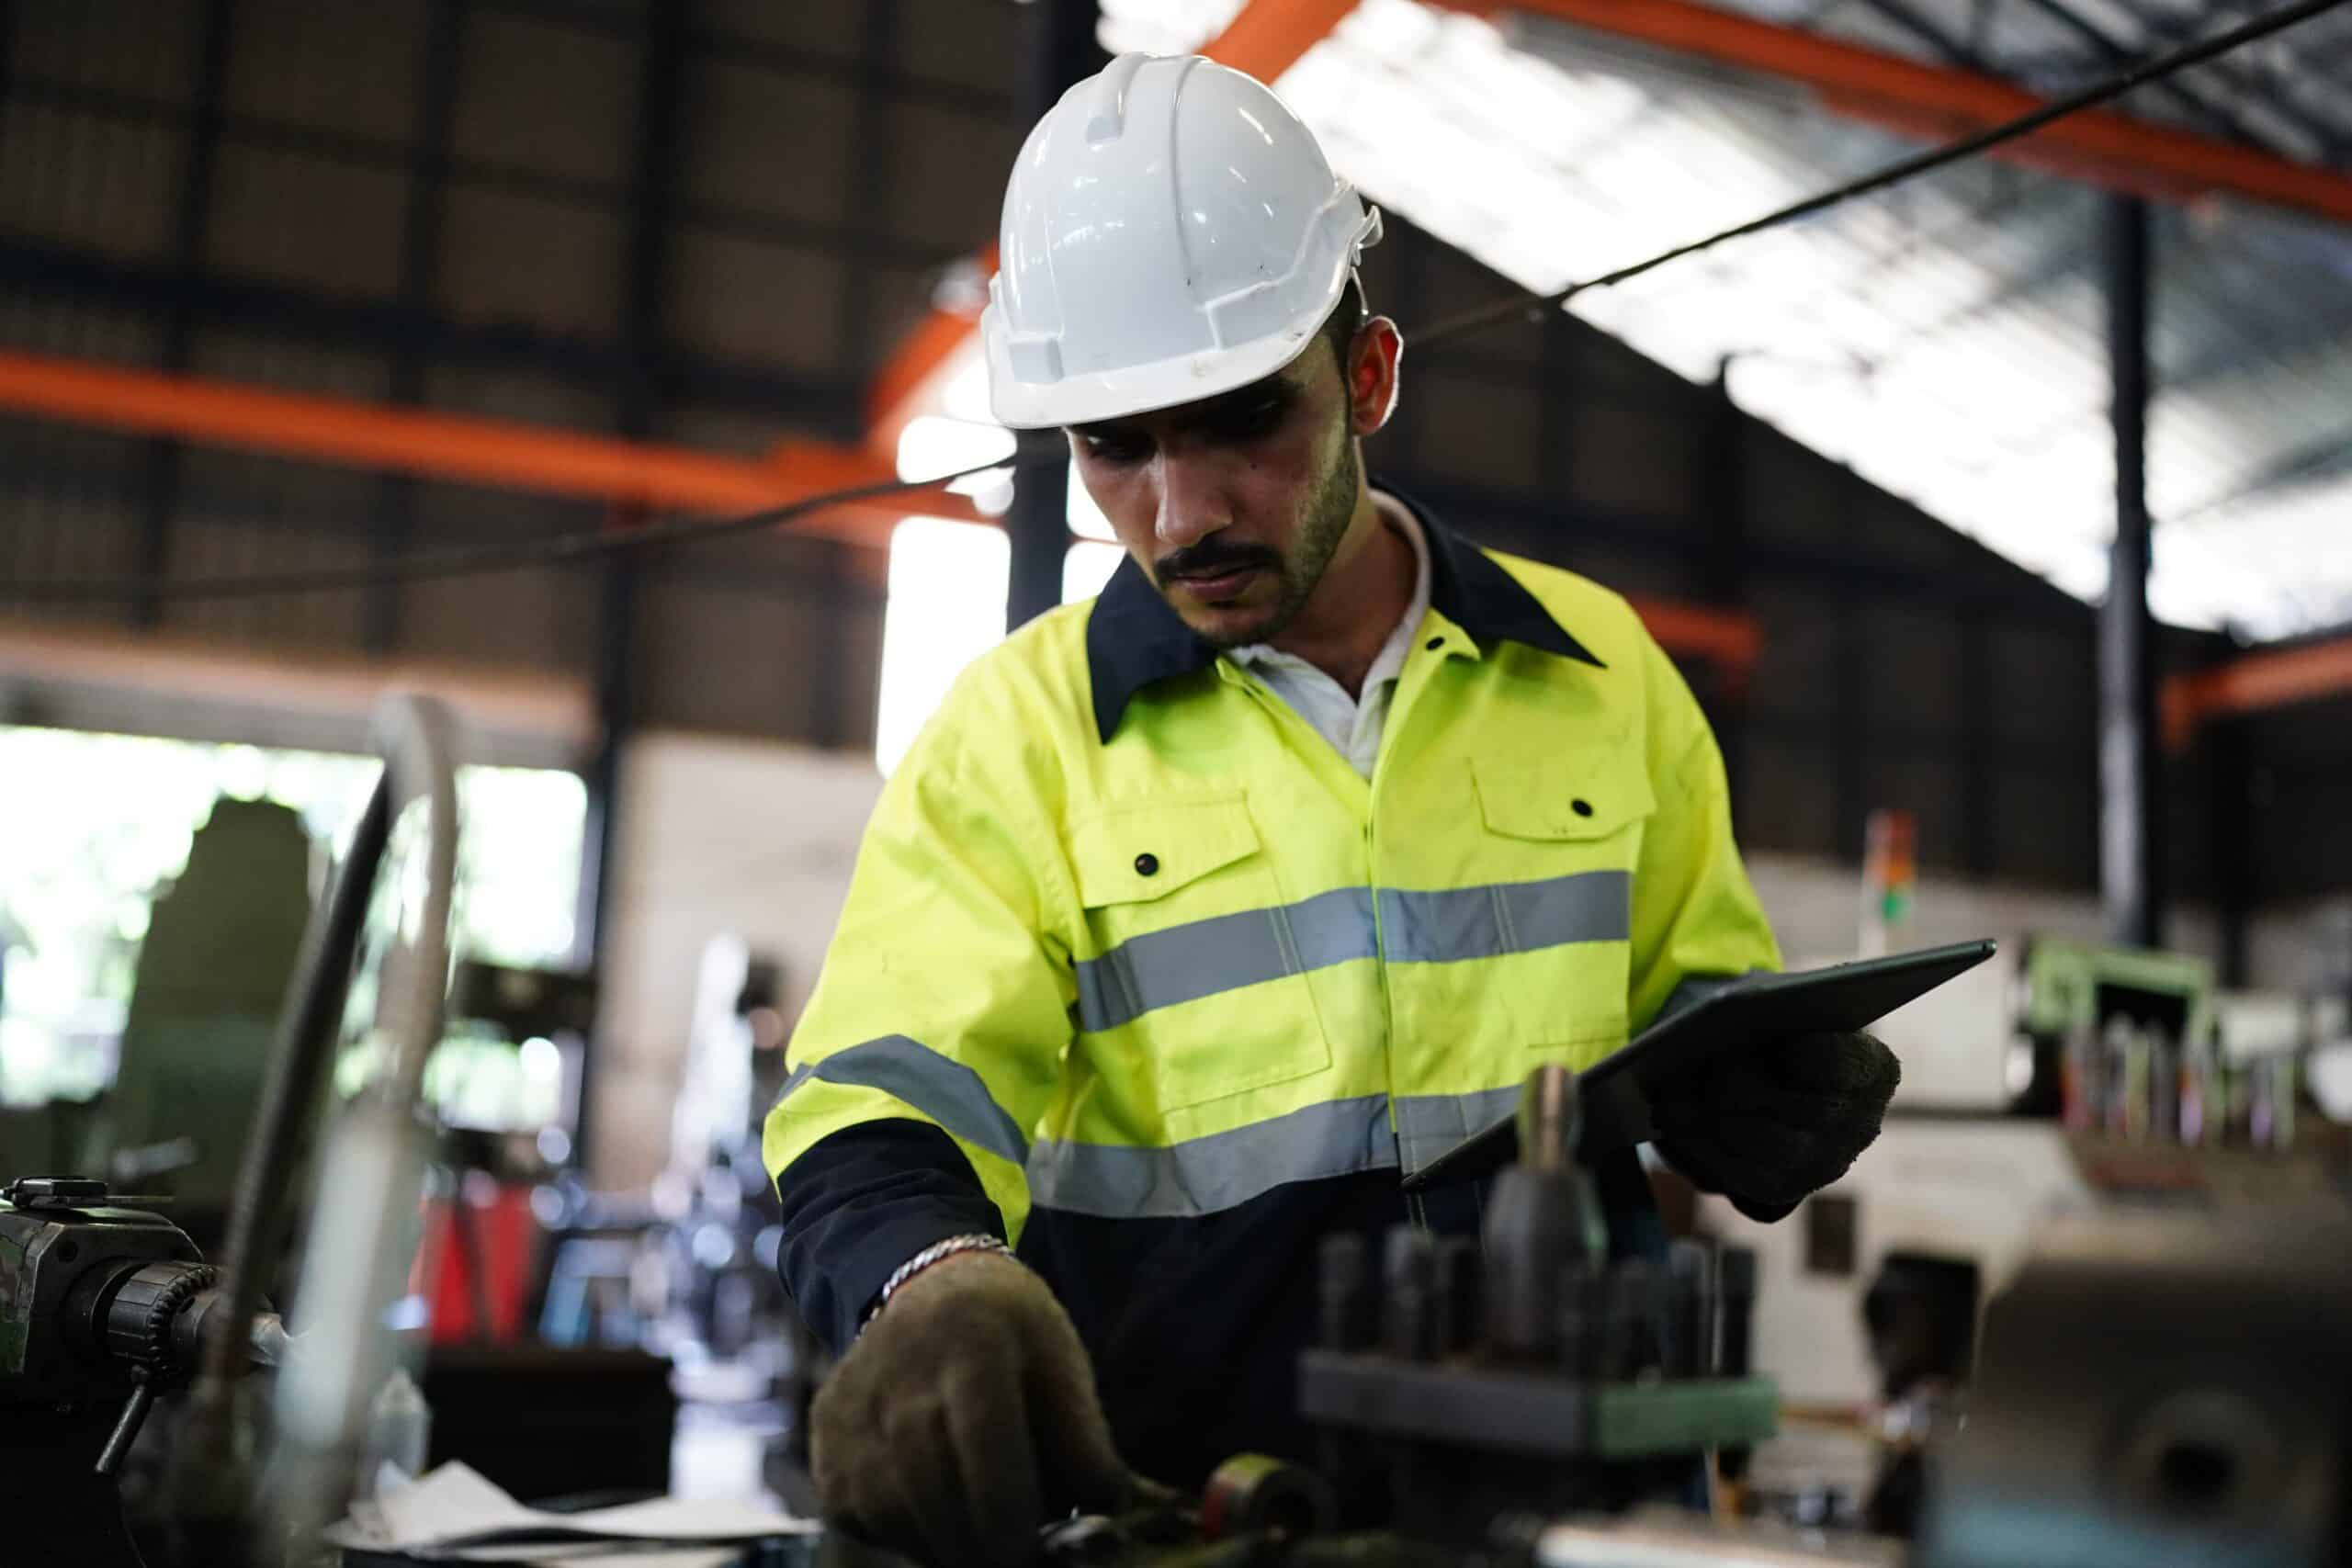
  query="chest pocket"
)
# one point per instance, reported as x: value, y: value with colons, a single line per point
x: 1195, y: 991
x: 1571, y: 833
x: 1580, y: 802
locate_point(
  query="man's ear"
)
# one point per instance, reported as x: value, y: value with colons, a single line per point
x: 1374, y: 360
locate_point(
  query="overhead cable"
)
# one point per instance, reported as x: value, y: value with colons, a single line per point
x: 1529, y: 306
x: 467, y: 561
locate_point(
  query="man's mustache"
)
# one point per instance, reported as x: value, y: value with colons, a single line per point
x: 1209, y: 558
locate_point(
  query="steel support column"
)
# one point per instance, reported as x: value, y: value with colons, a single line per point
x: 1851, y: 693
x: 2235, y: 804
x: 397, y: 495
x: 1979, y: 749
x: 652, y: 187
x: 1723, y: 564
x: 1058, y: 52
x: 1038, y: 528
x: 2132, y: 879
x: 195, y: 216
x: 864, y: 206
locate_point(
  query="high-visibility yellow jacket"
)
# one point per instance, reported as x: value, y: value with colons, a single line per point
x: 1135, y: 969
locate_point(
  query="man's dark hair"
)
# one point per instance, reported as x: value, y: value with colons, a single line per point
x: 1346, y: 318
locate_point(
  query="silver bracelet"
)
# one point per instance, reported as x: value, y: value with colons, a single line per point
x: 925, y: 1258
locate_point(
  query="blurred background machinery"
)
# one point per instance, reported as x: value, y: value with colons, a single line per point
x: 2153, y: 1386
x: 211, y: 974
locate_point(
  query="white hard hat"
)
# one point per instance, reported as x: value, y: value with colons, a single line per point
x: 1170, y: 231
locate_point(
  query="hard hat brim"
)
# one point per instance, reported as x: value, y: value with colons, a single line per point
x: 1141, y: 389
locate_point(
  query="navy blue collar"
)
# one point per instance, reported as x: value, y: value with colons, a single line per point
x: 1134, y: 639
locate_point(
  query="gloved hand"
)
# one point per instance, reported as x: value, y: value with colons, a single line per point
x: 1770, y: 1128
x: 963, y: 1418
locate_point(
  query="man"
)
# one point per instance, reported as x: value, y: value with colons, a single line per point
x: 1201, y: 912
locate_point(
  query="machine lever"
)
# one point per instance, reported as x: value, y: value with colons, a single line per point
x: 126, y: 1427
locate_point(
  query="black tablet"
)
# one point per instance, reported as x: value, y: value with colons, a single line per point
x: 1743, y: 1014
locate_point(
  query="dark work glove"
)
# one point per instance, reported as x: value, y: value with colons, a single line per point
x: 1771, y: 1128
x: 965, y: 1416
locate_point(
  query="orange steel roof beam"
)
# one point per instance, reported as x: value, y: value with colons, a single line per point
x: 467, y: 449
x: 1728, y: 638
x: 507, y: 455
x: 2277, y: 678
x: 1906, y: 94
x: 1267, y: 37
x: 1890, y: 90
x: 1264, y: 38
x: 904, y: 384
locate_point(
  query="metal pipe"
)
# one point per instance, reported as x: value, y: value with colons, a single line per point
x: 207, y: 1484
x: 297, y: 1064
x: 368, y: 1185
x: 2131, y: 861
x: 372, y: 1173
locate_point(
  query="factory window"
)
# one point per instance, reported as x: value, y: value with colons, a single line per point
x: 948, y: 582
x: 1094, y: 556
x: 1088, y: 566
x: 946, y: 608
x: 1086, y: 519
x: 99, y: 825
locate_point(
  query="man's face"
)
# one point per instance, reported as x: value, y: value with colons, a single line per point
x: 1235, y: 504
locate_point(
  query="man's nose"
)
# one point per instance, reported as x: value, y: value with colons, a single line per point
x: 1191, y: 504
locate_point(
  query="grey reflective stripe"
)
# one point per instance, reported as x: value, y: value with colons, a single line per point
x: 947, y: 1091
x: 1452, y: 924
x: 1429, y: 1124
x: 1221, y: 1170
x: 1201, y: 958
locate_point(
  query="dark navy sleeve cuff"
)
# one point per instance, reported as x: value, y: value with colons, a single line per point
x: 861, y: 1202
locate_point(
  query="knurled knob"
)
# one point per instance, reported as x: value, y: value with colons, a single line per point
x: 139, y: 1319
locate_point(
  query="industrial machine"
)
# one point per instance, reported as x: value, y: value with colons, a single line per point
x: 103, y: 1307
x: 2069, y: 984
x: 106, y: 1305
x: 2103, y: 1031
x: 1469, y: 1393
x: 2156, y: 1387
x: 2159, y: 1387
x: 220, y: 944
x: 1529, y: 1372
x: 727, y: 1299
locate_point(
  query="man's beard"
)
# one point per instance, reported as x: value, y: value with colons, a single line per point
x: 1301, y: 569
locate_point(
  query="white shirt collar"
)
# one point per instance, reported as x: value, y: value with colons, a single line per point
x: 1389, y: 663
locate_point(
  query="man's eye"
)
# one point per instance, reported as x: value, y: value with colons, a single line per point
x: 1117, y: 448
x: 1250, y: 422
